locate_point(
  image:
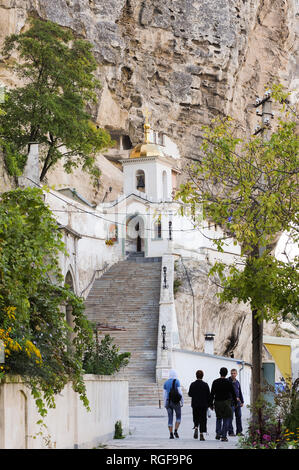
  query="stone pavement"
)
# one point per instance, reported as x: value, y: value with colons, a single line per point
x: 149, y: 430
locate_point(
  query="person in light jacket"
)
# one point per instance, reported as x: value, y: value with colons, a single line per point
x: 173, y: 407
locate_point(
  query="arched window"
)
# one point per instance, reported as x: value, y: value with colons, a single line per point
x: 164, y: 183
x: 140, y: 180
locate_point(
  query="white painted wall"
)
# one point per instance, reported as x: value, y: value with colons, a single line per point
x: 186, y: 363
x: 86, y: 254
x: 153, y: 169
x: 69, y: 425
x: 149, y: 167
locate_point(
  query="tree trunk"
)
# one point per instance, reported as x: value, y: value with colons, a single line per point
x: 257, y: 353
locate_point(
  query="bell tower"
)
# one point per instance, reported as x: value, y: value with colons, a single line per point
x: 148, y: 172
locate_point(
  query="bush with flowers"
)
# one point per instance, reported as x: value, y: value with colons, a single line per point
x: 265, y: 428
x: 274, y: 426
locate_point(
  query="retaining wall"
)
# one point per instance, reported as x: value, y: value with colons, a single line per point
x: 69, y: 425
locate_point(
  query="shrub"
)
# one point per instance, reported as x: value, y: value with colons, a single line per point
x: 176, y: 285
x: 265, y: 428
x: 104, y: 358
x: 118, y: 431
x: 274, y: 426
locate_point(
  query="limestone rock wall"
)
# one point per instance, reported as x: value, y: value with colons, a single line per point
x: 185, y: 60
x: 199, y: 311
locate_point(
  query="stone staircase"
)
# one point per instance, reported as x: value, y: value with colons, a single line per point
x: 125, y: 301
x: 127, y: 297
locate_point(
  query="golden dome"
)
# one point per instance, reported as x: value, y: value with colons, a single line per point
x: 146, y: 149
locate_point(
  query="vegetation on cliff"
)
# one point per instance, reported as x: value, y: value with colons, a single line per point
x: 51, y: 107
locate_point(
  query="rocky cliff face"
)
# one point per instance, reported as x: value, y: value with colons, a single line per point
x: 199, y: 311
x: 185, y: 60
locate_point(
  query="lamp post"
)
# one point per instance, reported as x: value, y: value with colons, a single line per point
x: 165, y: 285
x: 170, y: 229
x: 164, y: 337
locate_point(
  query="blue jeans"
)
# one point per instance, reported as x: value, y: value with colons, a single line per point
x: 222, y: 426
x: 238, y: 414
x: 173, y: 408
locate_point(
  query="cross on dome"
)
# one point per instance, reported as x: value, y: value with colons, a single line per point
x: 146, y: 149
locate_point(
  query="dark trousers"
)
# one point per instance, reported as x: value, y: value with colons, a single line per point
x: 238, y: 414
x: 222, y: 426
x: 200, y: 418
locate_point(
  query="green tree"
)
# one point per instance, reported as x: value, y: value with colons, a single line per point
x: 37, y: 339
x: 250, y: 188
x: 57, y: 71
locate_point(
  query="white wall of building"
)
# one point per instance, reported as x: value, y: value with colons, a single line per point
x: 69, y: 425
x: 153, y: 170
x: 87, y: 252
x: 186, y: 363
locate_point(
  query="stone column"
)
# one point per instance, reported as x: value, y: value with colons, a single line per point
x: 167, y: 318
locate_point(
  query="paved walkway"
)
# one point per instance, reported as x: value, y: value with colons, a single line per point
x: 148, y: 430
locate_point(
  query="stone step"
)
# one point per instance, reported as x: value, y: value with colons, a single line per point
x: 127, y: 296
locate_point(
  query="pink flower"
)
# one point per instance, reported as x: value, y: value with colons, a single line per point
x: 266, y: 437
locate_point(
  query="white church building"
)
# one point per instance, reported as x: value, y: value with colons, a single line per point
x: 144, y: 221
x: 146, y: 218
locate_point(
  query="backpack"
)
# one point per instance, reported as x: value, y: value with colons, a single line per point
x: 174, y: 395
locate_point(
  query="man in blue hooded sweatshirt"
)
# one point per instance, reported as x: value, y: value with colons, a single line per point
x: 173, y: 382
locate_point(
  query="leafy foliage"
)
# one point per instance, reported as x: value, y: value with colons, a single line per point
x: 250, y: 188
x: 270, y: 285
x: 274, y: 426
x: 51, y: 108
x: 104, y: 358
x: 265, y: 428
x: 36, y: 336
x: 118, y: 431
x: 288, y: 401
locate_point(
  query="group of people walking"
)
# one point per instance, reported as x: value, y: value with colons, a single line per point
x: 225, y: 397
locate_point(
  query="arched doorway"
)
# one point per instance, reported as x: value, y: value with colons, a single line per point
x: 135, y: 241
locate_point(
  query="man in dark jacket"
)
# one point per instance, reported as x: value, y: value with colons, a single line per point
x: 236, y: 410
x: 222, y: 395
x: 199, y: 391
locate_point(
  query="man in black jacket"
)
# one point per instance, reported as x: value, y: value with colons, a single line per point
x: 236, y: 409
x: 222, y: 395
x: 199, y: 391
